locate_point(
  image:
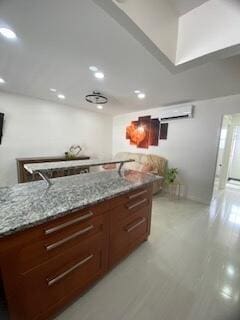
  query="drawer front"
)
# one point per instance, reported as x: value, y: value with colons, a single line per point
x: 38, y: 252
x: 23, y: 259
x: 55, y: 282
x: 60, y: 224
x: 38, y: 244
x: 128, y: 233
x: 145, y: 192
x: 128, y: 209
x: 75, y: 217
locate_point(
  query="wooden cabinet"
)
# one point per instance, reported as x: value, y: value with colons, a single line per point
x: 128, y: 234
x: 42, y: 290
x: 129, y: 224
x: 47, y: 266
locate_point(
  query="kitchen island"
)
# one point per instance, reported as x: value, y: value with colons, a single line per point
x: 56, y: 242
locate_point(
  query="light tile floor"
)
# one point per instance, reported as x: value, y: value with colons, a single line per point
x: 188, y: 270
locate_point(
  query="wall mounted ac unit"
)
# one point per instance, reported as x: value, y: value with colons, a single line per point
x: 182, y: 112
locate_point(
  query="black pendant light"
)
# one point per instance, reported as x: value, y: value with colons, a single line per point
x: 96, y: 98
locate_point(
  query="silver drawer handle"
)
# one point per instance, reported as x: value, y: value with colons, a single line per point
x: 64, y: 274
x: 69, y: 223
x: 137, y: 194
x: 136, y: 225
x: 73, y: 236
x: 136, y: 204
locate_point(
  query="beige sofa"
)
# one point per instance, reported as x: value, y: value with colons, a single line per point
x: 146, y: 162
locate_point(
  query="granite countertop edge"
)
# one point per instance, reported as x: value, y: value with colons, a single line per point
x: 24, y: 226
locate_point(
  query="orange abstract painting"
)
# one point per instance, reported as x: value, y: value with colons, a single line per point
x: 143, y: 132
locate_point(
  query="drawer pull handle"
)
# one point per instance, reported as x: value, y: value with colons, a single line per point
x: 73, y: 236
x: 53, y: 281
x: 137, y: 194
x: 136, y: 204
x: 69, y: 223
x: 136, y: 225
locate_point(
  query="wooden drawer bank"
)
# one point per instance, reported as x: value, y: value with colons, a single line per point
x: 45, y: 267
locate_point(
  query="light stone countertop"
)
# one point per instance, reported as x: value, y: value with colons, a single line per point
x: 60, y: 165
x: 30, y: 204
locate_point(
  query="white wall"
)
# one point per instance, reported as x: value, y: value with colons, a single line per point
x: 191, y: 146
x: 38, y: 128
x: 157, y: 19
x: 211, y: 27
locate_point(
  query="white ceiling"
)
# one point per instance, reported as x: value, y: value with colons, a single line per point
x: 184, y: 6
x: 59, y: 40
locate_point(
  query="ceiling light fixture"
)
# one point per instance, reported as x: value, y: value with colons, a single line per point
x: 96, y: 98
x: 141, y: 95
x: 53, y: 90
x: 137, y: 91
x: 99, y: 106
x: 8, y: 33
x: 93, y: 68
x: 61, y: 96
x: 99, y: 75
x: 2, y: 80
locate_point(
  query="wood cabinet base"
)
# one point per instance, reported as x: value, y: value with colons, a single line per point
x: 44, y: 268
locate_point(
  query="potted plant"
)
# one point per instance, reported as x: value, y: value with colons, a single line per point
x: 170, y: 178
x: 171, y: 175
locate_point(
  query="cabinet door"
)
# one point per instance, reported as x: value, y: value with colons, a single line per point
x: 128, y: 233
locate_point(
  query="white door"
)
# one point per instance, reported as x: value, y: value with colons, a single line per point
x: 234, y: 168
x: 224, y: 152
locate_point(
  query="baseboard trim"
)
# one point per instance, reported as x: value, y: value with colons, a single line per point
x: 195, y: 199
x: 234, y: 179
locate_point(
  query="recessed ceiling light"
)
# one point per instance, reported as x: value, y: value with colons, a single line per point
x: 2, y: 80
x: 99, y: 75
x: 141, y: 95
x: 137, y: 91
x: 99, y: 106
x: 8, y: 33
x: 53, y: 90
x: 93, y: 68
x: 61, y: 96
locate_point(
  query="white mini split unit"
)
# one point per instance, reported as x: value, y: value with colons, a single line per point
x: 176, y: 113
